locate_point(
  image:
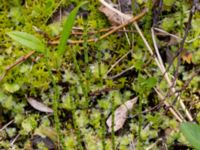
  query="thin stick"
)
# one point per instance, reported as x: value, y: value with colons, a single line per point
x: 13, y: 141
x: 121, y: 73
x: 147, y: 45
x: 175, y: 36
x: 154, y: 144
x: 106, y: 30
x: 112, y: 66
x: 115, y: 76
x: 167, y: 33
x: 17, y: 62
x: 134, y: 19
x: 169, y: 82
x: 156, y: 49
x: 166, y: 76
x: 138, y: 29
x: 6, y: 125
x: 178, y: 116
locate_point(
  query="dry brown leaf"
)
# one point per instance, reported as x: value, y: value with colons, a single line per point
x: 114, y: 16
x: 120, y: 115
x: 39, y: 106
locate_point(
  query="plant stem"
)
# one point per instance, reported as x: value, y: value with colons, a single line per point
x: 55, y: 101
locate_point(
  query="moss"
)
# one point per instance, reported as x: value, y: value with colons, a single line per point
x: 81, y: 88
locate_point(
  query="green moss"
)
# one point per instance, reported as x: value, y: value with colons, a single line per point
x: 29, y: 124
x: 80, y: 89
x: 168, y: 24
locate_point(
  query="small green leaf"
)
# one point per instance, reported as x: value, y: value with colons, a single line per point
x: 138, y: 64
x: 67, y: 29
x: 28, y: 40
x: 151, y: 82
x: 192, y: 133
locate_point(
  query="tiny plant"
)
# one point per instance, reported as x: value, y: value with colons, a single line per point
x: 36, y: 44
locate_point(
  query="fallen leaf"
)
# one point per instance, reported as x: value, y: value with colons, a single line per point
x: 120, y: 115
x: 115, y: 16
x: 39, y: 106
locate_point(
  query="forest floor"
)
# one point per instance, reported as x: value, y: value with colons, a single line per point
x: 100, y: 75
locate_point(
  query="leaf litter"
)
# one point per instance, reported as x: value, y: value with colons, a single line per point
x: 39, y: 106
x: 120, y: 115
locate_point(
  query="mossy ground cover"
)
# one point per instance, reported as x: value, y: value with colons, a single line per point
x: 90, y: 82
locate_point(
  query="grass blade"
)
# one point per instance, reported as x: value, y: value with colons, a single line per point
x: 67, y: 29
x: 28, y: 40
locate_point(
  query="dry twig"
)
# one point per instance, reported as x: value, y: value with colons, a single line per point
x: 136, y: 18
x: 158, y: 61
x: 17, y: 62
x: 6, y: 125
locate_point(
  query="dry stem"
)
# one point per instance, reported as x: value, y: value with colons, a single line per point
x: 134, y: 19
x: 19, y: 61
